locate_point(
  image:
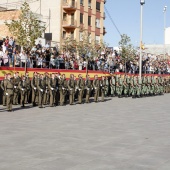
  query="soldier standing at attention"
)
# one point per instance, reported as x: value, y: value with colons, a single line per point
x: 34, y: 83
x: 28, y: 83
x: 80, y: 86
x: 71, y: 88
x: 9, y: 91
x: 23, y: 88
x: 63, y: 91
x: 2, y: 87
x: 53, y: 87
x: 47, y: 92
x: 41, y: 90
x: 88, y: 87
x: 102, y: 88
x: 96, y: 85
x: 106, y: 86
x: 113, y: 86
x: 16, y: 81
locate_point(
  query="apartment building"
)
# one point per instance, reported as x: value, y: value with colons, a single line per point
x: 65, y: 18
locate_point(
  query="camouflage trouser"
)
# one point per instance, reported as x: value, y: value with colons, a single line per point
x: 126, y: 90
x: 119, y: 90
x: 113, y: 89
x: 133, y: 91
x: 138, y: 90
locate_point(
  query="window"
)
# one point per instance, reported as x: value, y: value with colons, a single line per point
x: 81, y: 2
x: 97, y: 23
x: 72, y: 35
x: 81, y: 36
x: 81, y: 18
x: 64, y: 34
x: 89, y: 20
x: 89, y: 3
x: 64, y: 16
x: 98, y: 6
x: 97, y: 38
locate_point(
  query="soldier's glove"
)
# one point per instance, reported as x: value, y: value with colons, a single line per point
x: 63, y: 88
x: 15, y: 87
x: 6, y: 94
x: 22, y: 89
x: 35, y: 88
x: 41, y: 90
x: 71, y: 89
x: 87, y: 88
x: 95, y: 88
x: 52, y: 88
x: 79, y: 89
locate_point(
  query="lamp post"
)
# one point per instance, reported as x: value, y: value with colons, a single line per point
x: 164, y: 11
x: 142, y: 2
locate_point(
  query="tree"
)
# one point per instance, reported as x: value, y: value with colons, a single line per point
x: 27, y: 28
x: 128, y: 52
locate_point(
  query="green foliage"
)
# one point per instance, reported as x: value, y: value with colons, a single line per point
x: 27, y: 28
x: 127, y: 49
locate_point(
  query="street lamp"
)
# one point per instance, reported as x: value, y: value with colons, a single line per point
x: 142, y: 2
x: 164, y: 11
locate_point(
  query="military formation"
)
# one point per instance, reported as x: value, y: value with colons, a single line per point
x: 55, y: 90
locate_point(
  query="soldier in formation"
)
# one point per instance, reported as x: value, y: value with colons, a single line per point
x: 45, y: 89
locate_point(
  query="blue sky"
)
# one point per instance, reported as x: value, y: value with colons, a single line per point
x: 126, y: 15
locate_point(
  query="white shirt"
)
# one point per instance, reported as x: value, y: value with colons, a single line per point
x: 23, y: 57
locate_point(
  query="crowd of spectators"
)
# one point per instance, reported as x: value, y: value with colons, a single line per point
x: 107, y: 60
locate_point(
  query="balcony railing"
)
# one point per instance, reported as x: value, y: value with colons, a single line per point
x: 69, y: 5
x: 69, y: 24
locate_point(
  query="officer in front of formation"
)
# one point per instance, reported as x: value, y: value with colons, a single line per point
x: 9, y: 91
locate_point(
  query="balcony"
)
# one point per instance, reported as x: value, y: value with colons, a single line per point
x: 104, y: 31
x: 69, y: 5
x: 72, y: 24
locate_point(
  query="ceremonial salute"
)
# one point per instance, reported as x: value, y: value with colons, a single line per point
x: 53, y: 87
x: 88, y: 87
x: 96, y: 86
x: 9, y: 91
x: 23, y: 90
x: 80, y: 87
x: 3, y: 88
x: 71, y: 88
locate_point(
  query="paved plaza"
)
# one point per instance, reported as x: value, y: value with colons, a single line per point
x: 119, y: 134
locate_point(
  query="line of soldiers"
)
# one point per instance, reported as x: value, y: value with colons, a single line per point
x: 54, y: 89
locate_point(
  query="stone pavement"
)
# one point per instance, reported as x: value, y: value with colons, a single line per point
x: 119, y: 134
